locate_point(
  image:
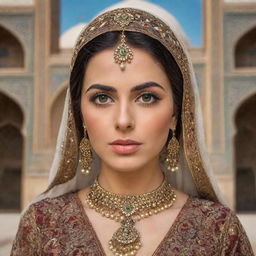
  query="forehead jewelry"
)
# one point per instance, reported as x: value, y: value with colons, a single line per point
x: 123, y: 53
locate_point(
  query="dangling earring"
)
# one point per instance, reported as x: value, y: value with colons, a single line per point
x: 86, y: 154
x: 172, y: 158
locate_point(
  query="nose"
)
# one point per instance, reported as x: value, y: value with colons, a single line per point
x: 124, y: 118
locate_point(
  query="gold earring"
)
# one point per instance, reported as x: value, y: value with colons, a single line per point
x: 86, y: 154
x: 172, y: 158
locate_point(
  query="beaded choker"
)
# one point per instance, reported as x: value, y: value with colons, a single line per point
x: 127, y: 209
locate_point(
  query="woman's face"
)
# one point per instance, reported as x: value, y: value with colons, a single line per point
x: 135, y: 104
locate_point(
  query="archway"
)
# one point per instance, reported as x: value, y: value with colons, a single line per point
x: 11, y: 145
x: 11, y: 51
x: 245, y: 50
x: 245, y: 152
x: 56, y: 114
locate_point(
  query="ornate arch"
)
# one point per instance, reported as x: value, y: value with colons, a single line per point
x: 18, y: 106
x: 245, y: 49
x: 11, y: 152
x: 12, y: 54
x: 56, y: 109
x: 245, y: 151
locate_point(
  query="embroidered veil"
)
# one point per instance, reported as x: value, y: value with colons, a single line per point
x: 195, y: 176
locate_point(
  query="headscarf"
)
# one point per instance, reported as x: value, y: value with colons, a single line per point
x: 195, y: 176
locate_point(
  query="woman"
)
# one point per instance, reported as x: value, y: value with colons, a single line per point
x: 147, y: 189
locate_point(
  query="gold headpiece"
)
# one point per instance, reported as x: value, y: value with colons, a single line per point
x: 123, y: 53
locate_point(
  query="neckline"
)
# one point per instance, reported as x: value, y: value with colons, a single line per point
x: 160, y: 245
x: 172, y: 227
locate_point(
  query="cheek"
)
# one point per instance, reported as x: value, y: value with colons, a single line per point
x: 89, y: 119
x: 159, y: 122
x: 93, y: 120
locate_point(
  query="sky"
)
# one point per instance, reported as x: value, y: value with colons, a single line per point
x: 187, y: 12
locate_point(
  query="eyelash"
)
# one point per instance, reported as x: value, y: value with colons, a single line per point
x: 152, y: 95
x: 97, y: 95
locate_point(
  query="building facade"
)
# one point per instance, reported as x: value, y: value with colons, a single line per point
x: 34, y: 73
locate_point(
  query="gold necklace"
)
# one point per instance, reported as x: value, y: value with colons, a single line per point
x: 127, y: 209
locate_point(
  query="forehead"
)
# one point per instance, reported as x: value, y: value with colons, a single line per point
x: 102, y: 69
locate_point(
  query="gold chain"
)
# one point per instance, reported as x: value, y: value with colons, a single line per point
x: 127, y: 209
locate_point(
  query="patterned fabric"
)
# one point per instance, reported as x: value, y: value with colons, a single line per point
x: 60, y: 226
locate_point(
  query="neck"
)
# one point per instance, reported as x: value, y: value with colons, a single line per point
x: 133, y: 182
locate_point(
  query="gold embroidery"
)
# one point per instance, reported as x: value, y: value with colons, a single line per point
x: 66, y: 230
x: 69, y: 160
x: 233, y: 230
x: 123, y: 18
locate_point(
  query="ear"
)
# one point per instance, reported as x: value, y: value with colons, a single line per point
x: 173, y: 122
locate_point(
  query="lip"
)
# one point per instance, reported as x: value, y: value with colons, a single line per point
x: 125, y: 146
x: 125, y: 142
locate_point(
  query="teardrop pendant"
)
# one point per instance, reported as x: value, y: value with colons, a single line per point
x: 126, y: 240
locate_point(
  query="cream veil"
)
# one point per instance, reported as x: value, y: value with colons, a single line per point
x: 195, y: 176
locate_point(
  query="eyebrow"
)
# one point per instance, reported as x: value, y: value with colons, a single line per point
x: 135, y: 88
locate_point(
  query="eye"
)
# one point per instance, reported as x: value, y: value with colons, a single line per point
x: 148, y: 98
x: 101, y: 99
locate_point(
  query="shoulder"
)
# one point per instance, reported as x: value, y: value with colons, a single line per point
x: 208, y: 213
x: 50, y: 210
x: 55, y: 202
x: 206, y: 225
x: 203, y: 219
x: 207, y: 206
x: 222, y: 221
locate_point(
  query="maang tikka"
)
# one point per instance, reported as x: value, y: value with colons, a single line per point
x: 86, y: 154
x: 123, y: 53
x: 173, y: 149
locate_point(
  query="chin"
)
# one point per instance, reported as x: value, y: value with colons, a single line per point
x: 126, y: 165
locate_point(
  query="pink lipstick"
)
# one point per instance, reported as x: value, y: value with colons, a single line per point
x: 125, y: 146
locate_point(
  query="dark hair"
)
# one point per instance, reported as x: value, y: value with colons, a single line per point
x: 135, y: 39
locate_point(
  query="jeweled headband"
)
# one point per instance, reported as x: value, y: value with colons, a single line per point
x: 129, y: 19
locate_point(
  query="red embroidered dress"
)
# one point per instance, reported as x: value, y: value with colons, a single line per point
x: 60, y: 226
